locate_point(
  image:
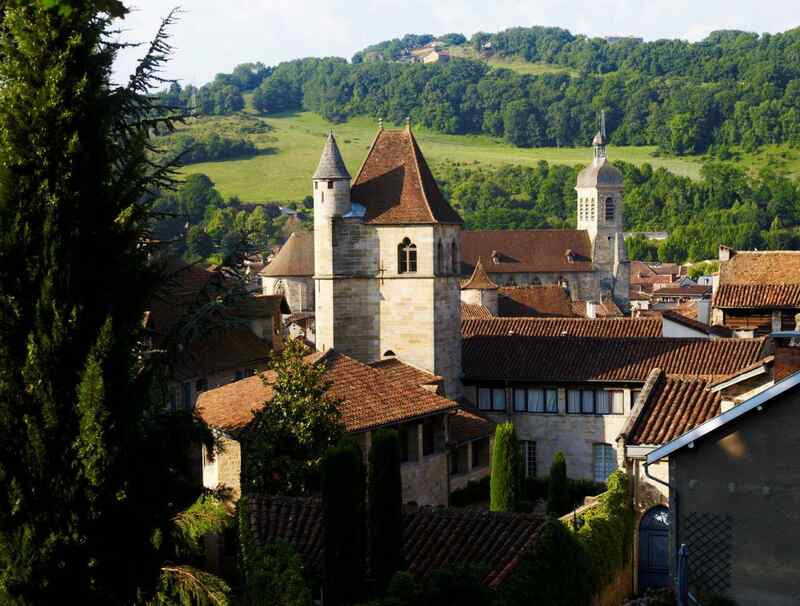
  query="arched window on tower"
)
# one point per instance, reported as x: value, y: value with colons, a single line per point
x: 406, y: 257
x: 439, y: 258
x: 454, y: 256
x: 609, y: 209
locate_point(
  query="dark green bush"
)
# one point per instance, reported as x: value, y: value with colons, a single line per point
x: 507, y: 473
x: 558, y: 502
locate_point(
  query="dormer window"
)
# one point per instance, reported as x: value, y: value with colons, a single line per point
x: 570, y: 256
x: 406, y: 257
x: 495, y: 257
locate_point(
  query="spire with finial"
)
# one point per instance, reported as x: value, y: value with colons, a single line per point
x: 331, y: 165
x: 599, y: 141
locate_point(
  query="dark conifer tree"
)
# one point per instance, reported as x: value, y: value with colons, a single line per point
x: 385, y: 508
x: 557, y: 493
x: 88, y: 460
x: 507, y: 474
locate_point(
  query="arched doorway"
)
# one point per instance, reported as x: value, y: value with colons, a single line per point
x: 654, y: 548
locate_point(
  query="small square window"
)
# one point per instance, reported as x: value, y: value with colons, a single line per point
x: 330, y: 184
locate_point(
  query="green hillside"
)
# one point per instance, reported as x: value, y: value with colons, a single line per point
x: 516, y: 64
x: 290, y: 151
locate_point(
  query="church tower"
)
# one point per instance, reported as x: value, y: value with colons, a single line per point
x: 387, y: 259
x: 600, y: 206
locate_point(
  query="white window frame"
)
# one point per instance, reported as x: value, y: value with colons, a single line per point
x: 528, y: 453
x: 604, y: 461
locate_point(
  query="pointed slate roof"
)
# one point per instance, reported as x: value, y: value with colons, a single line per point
x: 331, y: 165
x: 396, y: 186
x: 479, y: 280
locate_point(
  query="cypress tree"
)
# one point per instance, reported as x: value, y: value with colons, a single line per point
x: 507, y: 472
x: 557, y: 493
x: 343, y: 496
x: 385, y: 490
x: 88, y: 459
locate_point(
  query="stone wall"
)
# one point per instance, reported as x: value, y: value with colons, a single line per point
x: 425, y: 481
x: 298, y: 291
x: 224, y: 470
x: 573, y: 434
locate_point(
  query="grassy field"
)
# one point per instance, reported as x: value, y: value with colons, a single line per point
x: 515, y: 64
x: 290, y: 151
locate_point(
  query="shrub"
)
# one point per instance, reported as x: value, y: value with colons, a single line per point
x: 507, y: 472
x: 557, y: 493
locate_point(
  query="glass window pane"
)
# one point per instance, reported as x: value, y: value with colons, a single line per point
x: 587, y: 401
x: 519, y: 400
x: 634, y: 396
x: 484, y: 398
x: 412, y: 259
x: 499, y: 399
x: 535, y: 400
x: 617, y: 402
x: 602, y: 402
x: 573, y: 401
x: 551, y: 400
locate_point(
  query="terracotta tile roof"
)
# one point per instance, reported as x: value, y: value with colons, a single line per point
x: 397, y: 187
x: 766, y: 361
x: 578, y: 359
x: 259, y: 306
x: 755, y: 296
x: 526, y: 250
x: 432, y: 538
x: 673, y: 407
x: 223, y: 349
x: 479, y: 280
x: 556, y: 327
x: 682, y: 291
x: 606, y: 308
x: 370, y: 397
x: 764, y: 267
x: 397, y: 370
x: 471, y: 312
x: 534, y: 301
x: 468, y: 423
x: 295, y: 258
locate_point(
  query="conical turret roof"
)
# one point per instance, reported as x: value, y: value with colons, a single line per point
x: 331, y: 165
x: 479, y: 280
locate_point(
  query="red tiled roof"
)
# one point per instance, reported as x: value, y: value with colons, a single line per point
x: 397, y: 370
x: 755, y: 296
x: 578, y: 359
x: 432, y: 538
x: 673, y: 407
x: 479, y: 280
x: 534, y: 301
x: 369, y: 397
x: 295, y: 258
x: 467, y: 424
x: 526, y: 250
x: 606, y: 308
x: 397, y: 187
x: 556, y: 327
x: 223, y: 349
x: 762, y: 267
x: 472, y: 312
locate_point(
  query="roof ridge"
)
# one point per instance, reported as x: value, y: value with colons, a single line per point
x: 415, y: 151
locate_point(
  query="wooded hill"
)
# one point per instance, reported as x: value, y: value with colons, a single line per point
x: 733, y: 88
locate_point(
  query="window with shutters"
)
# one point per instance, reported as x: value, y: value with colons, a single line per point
x: 605, y: 461
x: 528, y: 448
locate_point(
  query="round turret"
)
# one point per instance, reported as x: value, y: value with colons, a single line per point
x: 331, y: 183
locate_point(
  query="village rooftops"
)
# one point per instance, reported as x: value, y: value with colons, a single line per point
x: 396, y: 186
x: 761, y: 267
x: 583, y: 359
x: 369, y: 397
x: 432, y: 538
x: 295, y: 258
x: 668, y: 407
x: 527, y: 250
x: 757, y: 296
x: 557, y: 327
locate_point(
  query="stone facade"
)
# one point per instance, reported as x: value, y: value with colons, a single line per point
x: 224, y: 469
x: 297, y: 290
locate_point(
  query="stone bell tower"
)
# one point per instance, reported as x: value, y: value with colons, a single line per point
x: 600, y: 205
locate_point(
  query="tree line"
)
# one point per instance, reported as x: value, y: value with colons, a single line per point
x: 732, y: 88
x: 725, y: 206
